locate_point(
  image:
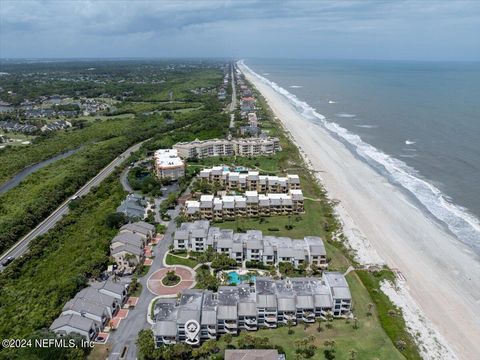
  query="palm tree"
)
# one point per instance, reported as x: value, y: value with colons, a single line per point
x: 319, y: 327
x: 353, y: 354
x: 289, y: 325
x: 355, y: 323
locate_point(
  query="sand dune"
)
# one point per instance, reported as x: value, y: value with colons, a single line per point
x: 442, y: 275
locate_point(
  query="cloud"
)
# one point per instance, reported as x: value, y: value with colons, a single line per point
x: 252, y: 27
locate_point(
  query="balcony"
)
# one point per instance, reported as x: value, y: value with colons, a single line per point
x: 289, y: 316
x: 271, y: 318
x: 169, y: 340
x: 212, y: 330
x: 270, y: 325
x: 308, y: 316
x: 231, y: 325
x: 251, y: 321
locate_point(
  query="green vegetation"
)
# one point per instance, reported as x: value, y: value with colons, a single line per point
x: 171, y: 279
x: 140, y: 107
x: 390, y: 317
x: 40, y: 193
x: 34, y: 288
x: 143, y: 180
x: 173, y: 259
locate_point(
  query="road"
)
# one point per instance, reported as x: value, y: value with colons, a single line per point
x: 233, y: 104
x: 22, y: 245
x: 127, y: 333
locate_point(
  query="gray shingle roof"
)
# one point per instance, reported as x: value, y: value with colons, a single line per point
x: 128, y: 238
x: 82, y: 305
x: 74, y: 321
x: 165, y: 328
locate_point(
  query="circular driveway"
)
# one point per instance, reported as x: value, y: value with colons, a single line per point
x: 187, y: 280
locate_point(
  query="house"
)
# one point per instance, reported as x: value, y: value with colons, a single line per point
x: 127, y: 257
x: 82, y: 307
x: 116, y: 290
x: 141, y: 228
x: 134, y: 207
x: 69, y: 324
x: 127, y: 248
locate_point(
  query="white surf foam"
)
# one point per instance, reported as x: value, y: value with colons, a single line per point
x: 296, y: 86
x: 332, y: 102
x: 367, y: 126
x: 410, y: 142
x: 345, y: 115
x: 458, y: 219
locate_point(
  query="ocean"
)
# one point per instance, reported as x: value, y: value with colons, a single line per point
x: 416, y: 123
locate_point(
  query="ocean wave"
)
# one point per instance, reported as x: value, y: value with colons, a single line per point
x: 410, y: 142
x: 332, y: 102
x: 457, y: 218
x: 345, y: 115
x: 296, y: 86
x: 367, y: 126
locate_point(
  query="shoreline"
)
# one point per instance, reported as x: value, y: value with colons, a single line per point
x: 442, y: 277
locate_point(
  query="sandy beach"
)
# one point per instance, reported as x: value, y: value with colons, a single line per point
x: 441, y: 275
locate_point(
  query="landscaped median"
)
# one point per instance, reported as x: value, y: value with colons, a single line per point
x: 157, y: 284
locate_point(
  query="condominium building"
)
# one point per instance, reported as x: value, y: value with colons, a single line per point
x: 249, y: 180
x: 168, y: 164
x: 226, y: 147
x: 200, y: 315
x: 251, y: 245
x: 251, y: 204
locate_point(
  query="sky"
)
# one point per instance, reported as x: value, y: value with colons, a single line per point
x: 342, y: 29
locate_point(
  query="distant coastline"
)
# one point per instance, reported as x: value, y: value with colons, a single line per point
x: 384, y: 227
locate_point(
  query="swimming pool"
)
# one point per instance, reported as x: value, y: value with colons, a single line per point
x: 235, y: 279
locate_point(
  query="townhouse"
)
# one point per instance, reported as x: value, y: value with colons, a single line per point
x: 200, y: 315
x: 128, y: 247
x: 90, y: 310
x: 251, y: 204
x: 249, y: 180
x: 228, y: 147
x: 250, y: 246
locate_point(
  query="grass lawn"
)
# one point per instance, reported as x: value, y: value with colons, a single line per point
x: 16, y: 139
x: 175, y: 260
x: 99, y: 352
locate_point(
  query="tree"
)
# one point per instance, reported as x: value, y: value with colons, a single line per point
x: 353, y: 354
x: 115, y: 220
x: 171, y: 247
x: 329, y: 317
x: 329, y: 352
x: 355, y: 323
x: 286, y: 268
x: 289, y: 325
x: 319, y: 322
